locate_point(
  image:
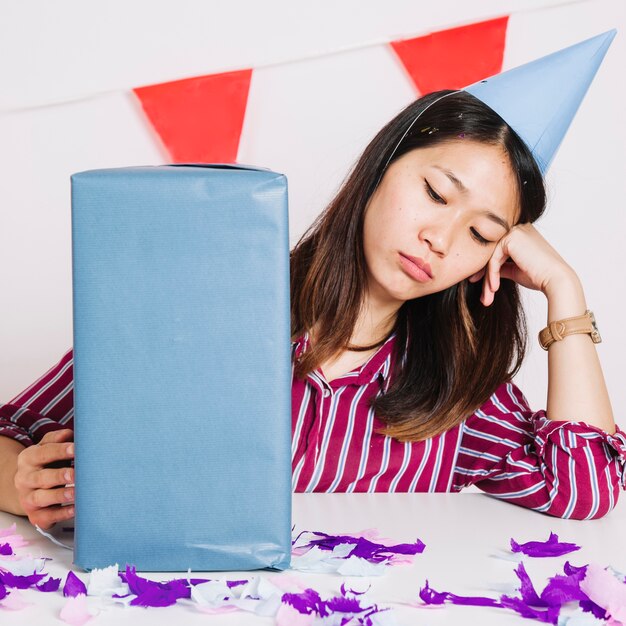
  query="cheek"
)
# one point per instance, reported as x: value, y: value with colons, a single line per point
x: 382, y: 227
x: 468, y: 261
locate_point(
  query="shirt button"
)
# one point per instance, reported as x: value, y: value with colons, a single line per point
x: 326, y: 393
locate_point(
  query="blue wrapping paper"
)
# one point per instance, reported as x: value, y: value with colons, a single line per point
x: 182, y: 368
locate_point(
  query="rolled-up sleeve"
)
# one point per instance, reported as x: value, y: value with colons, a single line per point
x: 568, y: 469
x: 44, y: 406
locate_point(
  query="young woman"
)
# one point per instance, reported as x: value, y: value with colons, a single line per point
x: 407, y: 330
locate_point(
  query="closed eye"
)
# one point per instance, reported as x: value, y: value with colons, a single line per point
x: 433, y: 194
x: 479, y: 238
x: 437, y: 198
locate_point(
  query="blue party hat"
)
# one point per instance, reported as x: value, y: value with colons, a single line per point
x: 539, y: 99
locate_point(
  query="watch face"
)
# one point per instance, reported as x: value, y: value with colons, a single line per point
x: 595, y: 333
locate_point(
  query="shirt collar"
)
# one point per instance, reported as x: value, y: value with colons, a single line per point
x: 374, y: 367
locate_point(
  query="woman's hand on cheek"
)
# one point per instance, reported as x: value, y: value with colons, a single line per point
x: 524, y: 256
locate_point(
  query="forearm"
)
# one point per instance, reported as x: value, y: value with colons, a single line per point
x: 9, y: 451
x: 576, y: 387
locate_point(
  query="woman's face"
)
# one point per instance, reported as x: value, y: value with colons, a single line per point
x: 432, y: 204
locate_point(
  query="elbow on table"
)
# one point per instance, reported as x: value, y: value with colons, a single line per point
x: 581, y: 507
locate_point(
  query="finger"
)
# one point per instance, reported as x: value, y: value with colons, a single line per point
x: 498, y: 258
x: 56, y: 436
x: 43, y: 454
x: 493, y: 275
x: 46, y: 518
x: 486, y: 288
x: 508, y: 270
x: 47, y: 478
x: 42, y: 498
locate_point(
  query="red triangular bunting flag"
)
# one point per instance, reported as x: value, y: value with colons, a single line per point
x: 199, y: 119
x: 454, y: 58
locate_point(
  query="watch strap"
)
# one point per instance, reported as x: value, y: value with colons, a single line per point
x: 580, y: 324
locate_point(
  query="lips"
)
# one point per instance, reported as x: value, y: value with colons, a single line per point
x: 420, y: 263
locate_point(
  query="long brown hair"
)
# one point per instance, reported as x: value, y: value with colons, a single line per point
x: 450, y: 351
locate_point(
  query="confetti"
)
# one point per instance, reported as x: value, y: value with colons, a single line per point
x: 155, y: 594
x: 73, y: 586
x: 10, y: 536
x: 106, y: 582
x: 14, y: 601
x: 75, y: 611
x: 551, y: 547
x: 9, y: 579
x: 52, y: 584
x: 429, y: 596
x: 360, y: 546
x: 308, y: 606
x: 605, y: 590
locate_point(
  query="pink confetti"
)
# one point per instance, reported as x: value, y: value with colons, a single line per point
x: 14, y: 601
x: 606, y: 591
x: 75, y: 611
x: 10, y: 536
x: 288, y: 616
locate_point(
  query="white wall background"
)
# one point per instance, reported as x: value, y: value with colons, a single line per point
x: 65, y: 106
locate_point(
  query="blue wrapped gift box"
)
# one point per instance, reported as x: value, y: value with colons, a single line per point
x: 182, y: 368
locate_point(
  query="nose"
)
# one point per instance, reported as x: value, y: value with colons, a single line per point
x: 438, y: 236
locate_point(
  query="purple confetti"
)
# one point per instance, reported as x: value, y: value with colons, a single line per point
x: 562, y: 589
x: 559, y: 590
x: 6, y: 549
x: 309, y: 602
x: 52, y: 584
x: 229, y: 583
x: 20, y: 582
x: 527, y: 589
x: 73, y: 586
x: 551, y: 547
x: 363, y: 548
x: 150, y: 593
x: 589, y: 606
x: 342, y: 604
x: 549, y: 616
x: 306, y: 602
x: 344, y: 590
x: 430, y: 596
x: 155, y: 594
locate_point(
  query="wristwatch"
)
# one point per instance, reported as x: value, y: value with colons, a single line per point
x: 555, y: 331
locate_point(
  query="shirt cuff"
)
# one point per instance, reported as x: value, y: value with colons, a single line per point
x: 569, y: 435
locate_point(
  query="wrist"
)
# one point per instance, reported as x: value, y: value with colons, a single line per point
x: 565, y: 279
x: 566, y: 297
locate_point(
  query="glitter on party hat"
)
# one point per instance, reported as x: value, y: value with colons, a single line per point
x: 540, y: 99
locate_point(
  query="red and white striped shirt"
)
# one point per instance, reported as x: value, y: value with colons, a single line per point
x: 567, y: 469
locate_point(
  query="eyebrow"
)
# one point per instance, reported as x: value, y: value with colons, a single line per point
x: 463, y: 189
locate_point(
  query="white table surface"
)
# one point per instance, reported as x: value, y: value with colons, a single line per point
x: 462, y: 532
